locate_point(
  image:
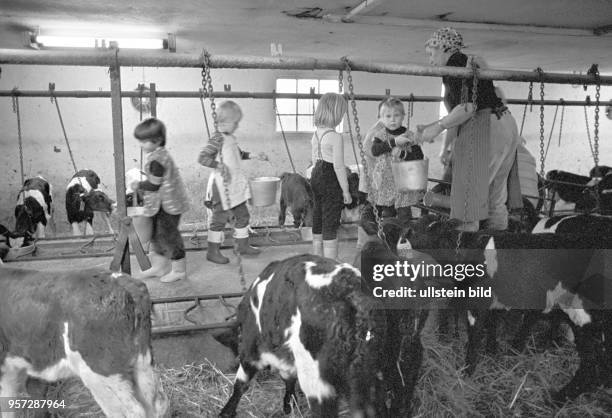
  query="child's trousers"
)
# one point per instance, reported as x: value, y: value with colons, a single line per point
x: 166, y: 238
x: 221, y: 217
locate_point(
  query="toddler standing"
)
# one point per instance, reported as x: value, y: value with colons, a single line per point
x: 224, y: 142
x: 329, y: 180
x: 165, y: 199
x: 387, y: 142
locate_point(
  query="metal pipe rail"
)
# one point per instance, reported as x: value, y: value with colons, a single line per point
x: 116, y: 57
x: 267, y: 95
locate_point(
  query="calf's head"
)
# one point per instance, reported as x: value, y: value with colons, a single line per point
x: 98, y: 201
x: 25, y: 215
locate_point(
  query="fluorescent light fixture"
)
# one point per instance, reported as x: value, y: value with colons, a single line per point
x: 99, y: 42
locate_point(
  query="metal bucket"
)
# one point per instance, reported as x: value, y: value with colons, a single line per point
x: 263, y: 190
x: 410, y: 175
x: 142, y: 224
x: 436, y: 199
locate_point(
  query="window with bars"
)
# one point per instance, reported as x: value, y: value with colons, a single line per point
x: 296, y: 115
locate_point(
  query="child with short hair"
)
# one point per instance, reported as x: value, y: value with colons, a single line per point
x: 329, y: 180
x: 224, y: 142
x: 390, y: 141
x: 165, y: 200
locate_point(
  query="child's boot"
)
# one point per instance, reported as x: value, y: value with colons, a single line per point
x: 242, y: 239
x: 160, y: 265
x: 215, y: 238
x: 179, y: 271
x: 330, y: 248
x: 317, y: 244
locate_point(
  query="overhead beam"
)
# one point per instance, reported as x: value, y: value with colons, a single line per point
x: 163, y: 59
x: 270, y: 95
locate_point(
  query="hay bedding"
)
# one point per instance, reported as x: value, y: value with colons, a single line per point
x: 508, y: 385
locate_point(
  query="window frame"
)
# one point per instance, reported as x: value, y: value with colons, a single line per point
x: 299, y: 103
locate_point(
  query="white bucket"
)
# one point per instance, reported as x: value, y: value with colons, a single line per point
x: 263, y: 190
x: 142, y: 224
x: 410, y: 175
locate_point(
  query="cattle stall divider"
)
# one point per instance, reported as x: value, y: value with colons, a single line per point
x: 114, y: 58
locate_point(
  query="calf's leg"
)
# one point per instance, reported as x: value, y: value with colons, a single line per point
x: 244, y: 375
x: 289, y: 393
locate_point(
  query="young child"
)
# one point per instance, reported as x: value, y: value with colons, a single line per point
x: 329, y: 181
x: 224, y: 142
x: 165, y: 199
x: 387, y: 142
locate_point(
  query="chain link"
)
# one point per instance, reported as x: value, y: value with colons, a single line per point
x: 542, y: 152
x: 340, y: 82
x: 588, y: 132
x: 353, y: 102
x: 596, y: 130
x: 19, y: 137
x: 561, y: 121
x: 207, y: 87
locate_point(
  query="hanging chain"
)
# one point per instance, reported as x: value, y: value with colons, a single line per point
x: 19, y: 138
x: 552, y: 128
x: 207, y: 87
x: 353, y: 102
x: 472, y: 135
x: 542, y: 154
x: 588, y: 131
x: 340, y: 82
x: 530, y: 102
x: 410, y: 111
x: 594, y: 70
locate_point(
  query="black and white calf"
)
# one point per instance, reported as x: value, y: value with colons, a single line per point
x: 89, y: 323
x: 34, y: 208
x: 540, y: 271
x: 83, y: 199
x: 585, y: 193
x: 308, y: 317
x: 405, y: 321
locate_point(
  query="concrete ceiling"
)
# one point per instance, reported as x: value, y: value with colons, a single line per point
x: 557, y: 35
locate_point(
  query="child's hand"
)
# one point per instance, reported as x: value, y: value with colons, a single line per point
x: 395, y: 153
x: 262, y: 156
x: 445, y: 157
x: 405, y: 138
x: 348, y: 199
x: 134, y: 185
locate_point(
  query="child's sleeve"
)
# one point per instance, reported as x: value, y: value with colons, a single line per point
x: 209, y: 152
x: 244, y: 155
x: 380, y: 147
x: 155, y: 176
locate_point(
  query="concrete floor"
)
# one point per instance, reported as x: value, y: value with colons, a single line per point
x: 204, y: 278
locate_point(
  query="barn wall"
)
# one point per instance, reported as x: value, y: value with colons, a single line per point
x: 89, y: 127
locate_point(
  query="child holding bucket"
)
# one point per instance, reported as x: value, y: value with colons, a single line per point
x: 224, y: 142
x: 328, y: 181
x: 165, y: 199
x: 390, y: 141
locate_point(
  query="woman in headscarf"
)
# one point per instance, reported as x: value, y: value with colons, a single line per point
x: 485, y: 139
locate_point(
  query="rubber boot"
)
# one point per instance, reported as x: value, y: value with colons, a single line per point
x: 330, y: 249
x: 317, y: 244
x: 245, y: 249
x: 179, y: 271
x: 214, y: 254
x: 160, y: 265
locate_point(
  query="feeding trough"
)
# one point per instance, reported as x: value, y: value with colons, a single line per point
x: 263, y: 191
x: 410, y: 175
x: 16, y: 252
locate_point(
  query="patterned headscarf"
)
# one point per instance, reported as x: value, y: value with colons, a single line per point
x: 448, y: 39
